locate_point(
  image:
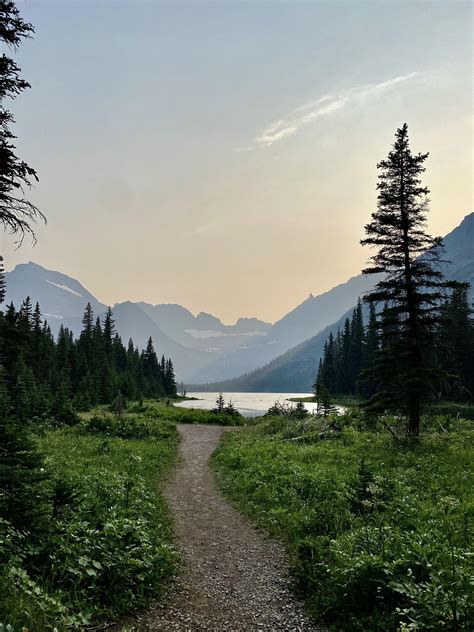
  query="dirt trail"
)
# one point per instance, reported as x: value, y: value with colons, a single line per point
x: 233, y: 577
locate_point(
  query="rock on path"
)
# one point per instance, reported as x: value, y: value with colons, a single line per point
x: 233, y: 578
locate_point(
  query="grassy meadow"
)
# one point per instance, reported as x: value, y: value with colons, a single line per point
x: 103, y: 542
x: 379, y: 532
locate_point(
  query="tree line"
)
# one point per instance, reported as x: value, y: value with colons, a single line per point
x: 347, y: 353
x: 344, y: 368
x: 44, y: 377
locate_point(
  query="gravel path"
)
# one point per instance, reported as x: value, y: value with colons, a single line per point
x: 233, y: 577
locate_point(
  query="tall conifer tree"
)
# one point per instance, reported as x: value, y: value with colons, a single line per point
x: 413, y: 284
x: 2, y: 281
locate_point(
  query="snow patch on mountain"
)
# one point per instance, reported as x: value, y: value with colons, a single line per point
x: 210, y: 333
x: 65, y: 287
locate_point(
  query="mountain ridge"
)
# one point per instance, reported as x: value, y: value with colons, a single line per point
x: 295, y: 370
x: 205, y: 349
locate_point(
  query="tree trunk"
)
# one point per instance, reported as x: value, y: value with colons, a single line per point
x: 414, y: 416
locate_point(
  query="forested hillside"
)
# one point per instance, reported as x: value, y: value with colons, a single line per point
x: 296, y: 369
x: 293, y: 371
x: 348, y: 358
x: 43, y: 377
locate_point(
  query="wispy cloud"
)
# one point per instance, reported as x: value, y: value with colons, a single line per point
x: 324, y: 106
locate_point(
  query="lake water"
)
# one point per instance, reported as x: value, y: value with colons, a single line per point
x: 248, y: 404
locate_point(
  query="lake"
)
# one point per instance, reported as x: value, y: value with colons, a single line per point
x: 248, y: 404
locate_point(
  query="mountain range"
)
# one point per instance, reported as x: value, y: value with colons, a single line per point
x: 294, y: 371
x: 250, y: 355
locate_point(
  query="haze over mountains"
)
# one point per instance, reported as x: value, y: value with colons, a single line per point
x: 295, y: 370
x: 204, y: 349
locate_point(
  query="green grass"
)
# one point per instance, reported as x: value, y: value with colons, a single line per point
x: 379, y: 533
x: 165, y: 411
x: 159, y: 409
x: 107, y: 546
x: 341, y: 400
x: 104, y: 546
x: 464, y: 410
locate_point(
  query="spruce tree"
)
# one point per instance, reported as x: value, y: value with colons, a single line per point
x: 300, y: 411
x: 220, y: 404
x: 2, y: 281
x: 22, y: 500
x: 368, y: 384
x: 151, y: 370
x: 170, y: 379
x: 413, y: 284
x: 456, y: 343
x: 344, y: 378
x: 328, y: 377
x: 16, y: 213
x: 87, y: 322
x: 230, y: 409
x: 357, y: 345
x: 108, y: 334
x: 325, y: 406
x: 37, y: 320
x: 26, y: 313
x: 319, y: 378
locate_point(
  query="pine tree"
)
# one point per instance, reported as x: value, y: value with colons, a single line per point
x: 370, y: 351
x: 24, y: 391
x: 328, y: 377
x: 85, y: 342
x: 170, y: 379
x: 37, y: 320
x: 230, y: 409
x: 343, y: 369
x: 456, y: 343
x: 22, y: 501
x: 16, y: 213
x: 413, y: 284
x: 300, y: 411
x: 220, y: 404
x: 319, y: 378
x: 2, y: 281
x: 87, y: 322
x: 151, y: 370
x: 108, y: 334
x: 25, y: 315
x: 357, y: 345
x: 325, y: 406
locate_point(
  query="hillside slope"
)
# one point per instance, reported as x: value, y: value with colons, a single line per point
x: 303, y: 322
x: 295, y: 370
x: 60, y: 296
x: 292, y: 372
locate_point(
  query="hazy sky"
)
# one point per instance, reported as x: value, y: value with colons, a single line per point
x: 223, y: 155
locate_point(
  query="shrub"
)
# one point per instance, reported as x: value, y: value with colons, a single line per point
x: 128, y: 427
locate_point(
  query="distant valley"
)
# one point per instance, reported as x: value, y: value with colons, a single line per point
x: 249, y: 355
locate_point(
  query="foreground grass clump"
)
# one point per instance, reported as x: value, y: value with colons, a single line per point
x: 380, y: 534
x: 165, y: 411
x: 103, y: 543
